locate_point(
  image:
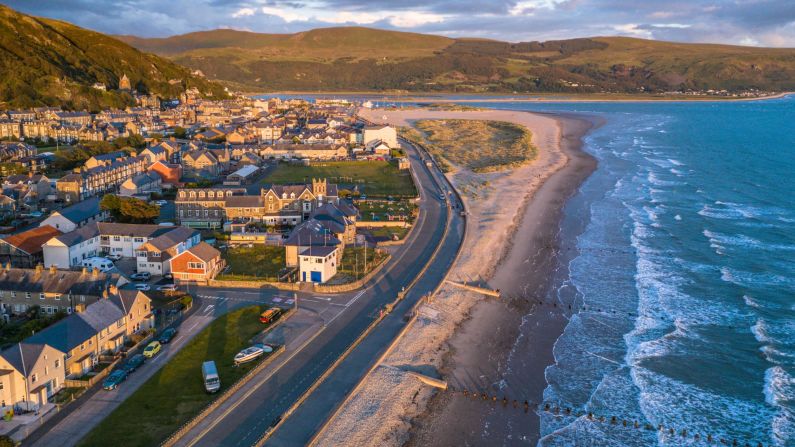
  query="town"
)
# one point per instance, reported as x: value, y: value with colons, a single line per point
x: 114, y: 220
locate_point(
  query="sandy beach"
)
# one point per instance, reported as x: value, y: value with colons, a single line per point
x: 463, y: 337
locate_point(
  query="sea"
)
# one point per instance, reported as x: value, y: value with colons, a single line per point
x: 680, y: 256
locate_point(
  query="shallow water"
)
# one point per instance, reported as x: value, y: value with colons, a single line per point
x: 690, y: 240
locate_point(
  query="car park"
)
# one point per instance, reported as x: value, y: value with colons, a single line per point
x: 142, y: 276
x: 134, y: 363
x: 167, y: 335
x: 114, y: 379
x: 152, y: 349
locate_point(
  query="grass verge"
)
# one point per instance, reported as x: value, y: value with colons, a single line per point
x: 176, y: 392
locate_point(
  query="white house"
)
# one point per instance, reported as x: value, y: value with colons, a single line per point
x: 78, y: 215
x: 69, y: 250
x: 318, y: 264
x: 387, y: 134
x: 141, y: 184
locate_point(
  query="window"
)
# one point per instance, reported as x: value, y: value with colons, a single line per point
x: 34, y: 378
x: 57, y: 363
x: 1, y: 387
x: 82, y: 298
x: 13, y: 294
x: 27, y: 295
x: 41, y: 296
x: 57, y: 297
x: 117, y: 238
x: 195, y: 265
x: 139, y: 239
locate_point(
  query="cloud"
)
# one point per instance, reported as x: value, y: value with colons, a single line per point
x: 752, y: 22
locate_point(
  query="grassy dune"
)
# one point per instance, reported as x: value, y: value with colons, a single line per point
x: 481, y: 146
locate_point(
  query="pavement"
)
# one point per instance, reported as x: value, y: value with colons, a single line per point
x: 262, y: 403
x: 321, y: 330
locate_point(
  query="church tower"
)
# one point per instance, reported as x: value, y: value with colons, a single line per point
x: 319, y: 187
x: 124, y: 82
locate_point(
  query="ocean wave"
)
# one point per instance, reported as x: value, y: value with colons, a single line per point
x: 779, y: 386
x: 749, y: 279
x: 675, y: 162
x: 744, y: 242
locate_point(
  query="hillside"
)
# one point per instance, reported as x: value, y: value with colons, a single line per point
x: 353, y: 58
x: 49, y: 62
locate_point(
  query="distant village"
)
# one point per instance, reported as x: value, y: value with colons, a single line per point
x: 202, y: 165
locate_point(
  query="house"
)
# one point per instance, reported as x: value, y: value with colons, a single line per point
x: 70, y: 249
x: 51, y: 289
x: 378, y: 147
x: 318, y: 264
x: 311, y: 233
x: 243, y: 176
x: 25, y: 249
x: 29, y: 375
x: 170, y: 174
x: 29, y: 188
x: 386, y: 134
x: 154, y: 256
x: 339, y: 219
x: 204, y: 208
x: 141, y: 184
x: 99, y: 328
x: 403, y: 163
x: 198, y: 264
x: 201, y: 163
x: 105, y: 159
x: 103, y: 178
x: 155, y: 153
x: 75, y: 216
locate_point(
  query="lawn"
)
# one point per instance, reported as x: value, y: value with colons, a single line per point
x: 372, y: 210
x: 176, y: 393
x: 373, y: 178
x: 482, y: 146
x: 353, y: 261
x: 256, y: 262
x: 389, y: 232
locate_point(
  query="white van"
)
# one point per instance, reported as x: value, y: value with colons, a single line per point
x: 212, y: 382
x: 102, y: 264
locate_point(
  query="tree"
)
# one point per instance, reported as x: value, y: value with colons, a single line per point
x: 180, y: 132
x: 129, y: 209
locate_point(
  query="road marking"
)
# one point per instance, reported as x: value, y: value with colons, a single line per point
x: 353, y: 300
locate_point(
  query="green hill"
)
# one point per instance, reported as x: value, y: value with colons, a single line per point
x: 49, y: 62
x: 354, y: 58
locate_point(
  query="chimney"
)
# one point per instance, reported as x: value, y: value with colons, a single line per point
x: 8, y: 266
x: 85, y: 271
x: 95, y: 272
x: 39, y: 268
x: 105, y: 293
x: 80, y: 307
x: 53, y: 269
x: 114, y: 290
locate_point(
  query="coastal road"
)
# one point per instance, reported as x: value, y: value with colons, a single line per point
x: 266, y: 399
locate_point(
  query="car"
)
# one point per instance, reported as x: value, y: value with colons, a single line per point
x: 152, y: 349
x: 114, y: 257
x: 161, y: 202
x: 442, y: 197
x: 167, y: 288
x: 114, y: 379
x: 36, y: 214
x: 167, y: 335
x: 142, y: 276
x: 134, y: 363
x: 269, y: 315
x: 142, y: 287
x: 168, y: 276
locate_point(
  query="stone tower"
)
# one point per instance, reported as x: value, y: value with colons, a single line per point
x: 124, y: 82
x: 319, y: 186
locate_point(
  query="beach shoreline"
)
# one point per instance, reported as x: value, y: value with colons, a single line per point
x: 461, y: 336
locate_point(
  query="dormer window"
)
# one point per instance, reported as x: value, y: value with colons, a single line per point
x: 284, y: 195
x: 201, y: 194
x: 211, y: 194
x: 192, y: 194
x: 292, y: 195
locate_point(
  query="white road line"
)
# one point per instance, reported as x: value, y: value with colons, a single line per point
x: 353, y: 300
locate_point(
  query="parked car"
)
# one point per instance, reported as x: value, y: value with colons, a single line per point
x: 142, y: 287
x: 134, y: 363
x: 142, y: 276
x: 168, y: 276
x: 161, y: 202
x: 269, y: 315
x: 102, y: 264
x: 167, y: 288
x: 114, y: 257
x: 152, y: 349
x: 167, y: 335
x: 114, y: 379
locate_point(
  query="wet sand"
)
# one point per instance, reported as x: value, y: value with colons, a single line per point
x: 462, y: 337
x: 490, y: 336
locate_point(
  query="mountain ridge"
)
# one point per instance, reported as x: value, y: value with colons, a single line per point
x: 367, y: 59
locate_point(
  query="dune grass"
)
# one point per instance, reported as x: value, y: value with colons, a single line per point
x: 479, y: 145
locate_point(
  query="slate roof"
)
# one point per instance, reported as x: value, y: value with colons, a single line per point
x: 310, y: 233
x: 81, y: 211
x: 244, y: 202
x: 320, y: 251
x: 49, y: 281
x: 81, y: 234
x: 22, y: 356
x: 204, y: 251
x: 172, y: 238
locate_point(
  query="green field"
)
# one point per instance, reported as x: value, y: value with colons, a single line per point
x: 373, y: 178
x: 176, y: 393
x: 258, y: 262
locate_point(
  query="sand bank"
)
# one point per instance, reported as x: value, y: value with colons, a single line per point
x: 462, y: 336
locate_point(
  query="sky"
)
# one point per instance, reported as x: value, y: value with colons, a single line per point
x: 743, y: 22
